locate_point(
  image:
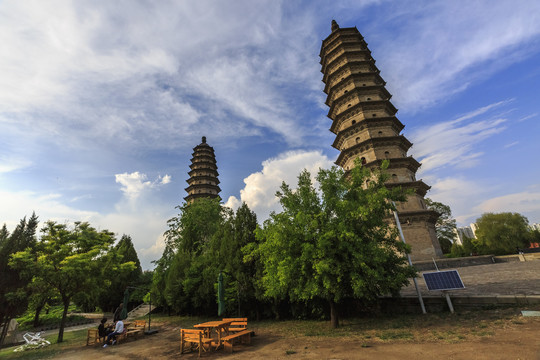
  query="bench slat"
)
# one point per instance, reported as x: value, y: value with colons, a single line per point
x: 238, y: 334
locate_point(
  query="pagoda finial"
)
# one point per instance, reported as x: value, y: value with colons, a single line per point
x: 335, y: 25
x: 204, y: 139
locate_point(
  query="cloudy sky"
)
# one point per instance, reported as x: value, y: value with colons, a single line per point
x: 101, y: 103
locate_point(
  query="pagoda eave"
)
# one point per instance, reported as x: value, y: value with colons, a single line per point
x: 367, y: 123
x: 419, y: 186
x: 411, y: 217
x: 356, y: 149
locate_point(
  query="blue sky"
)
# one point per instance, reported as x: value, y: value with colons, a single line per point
x: 101, y: 103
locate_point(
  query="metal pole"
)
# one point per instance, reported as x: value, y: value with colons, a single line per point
x: 150, y: 313
x: 449, y: 302
x: 436, y: 267
x: 410, y: 262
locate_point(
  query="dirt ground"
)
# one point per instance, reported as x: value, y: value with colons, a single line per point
x: 519, y: 341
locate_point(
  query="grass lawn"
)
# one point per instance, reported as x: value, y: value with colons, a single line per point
x: 417, y: 329
x: 72, y: 339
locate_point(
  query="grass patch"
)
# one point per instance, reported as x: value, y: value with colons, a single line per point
x: 53, y: 318
x: 72, y: 339
x: 437, y: 328
x: 290, y: 352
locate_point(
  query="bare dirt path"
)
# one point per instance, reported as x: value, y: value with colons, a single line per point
x: 521, y: 341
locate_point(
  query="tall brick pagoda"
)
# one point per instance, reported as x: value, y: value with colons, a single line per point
x: 364, y: 121
x: 203, y: 176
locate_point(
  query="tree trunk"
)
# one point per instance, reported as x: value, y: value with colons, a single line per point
x: 334, y: 318
x: 36, y: 315
x: 3, y: 332
x: 275, y: 309
x: 63, y: 322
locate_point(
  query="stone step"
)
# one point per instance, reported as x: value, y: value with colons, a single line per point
x: 139, y: 311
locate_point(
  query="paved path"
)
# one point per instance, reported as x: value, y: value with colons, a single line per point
x: 511, y: 278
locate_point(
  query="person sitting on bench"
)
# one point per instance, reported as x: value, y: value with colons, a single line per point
x: 119, y: 329
x: 102, y: 330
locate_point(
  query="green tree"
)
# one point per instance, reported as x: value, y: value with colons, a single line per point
x: 334, y: 243
x: 159, y: 278
x: 445, y: 226
x: 113, y: 293
x: 502, y: 233
x: 468, y: 248
x: 70, y: 261
x: 235, y: 233
x: 191, y: 265
x: 535, y: 236
x: 41, y: 295
x: 14, y: 289
x: 194, y: 227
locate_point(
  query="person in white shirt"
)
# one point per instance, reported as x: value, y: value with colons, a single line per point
x: 119, y: 328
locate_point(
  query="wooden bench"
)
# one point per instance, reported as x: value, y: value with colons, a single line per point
x: 138, y: 324
x: 136, y: 329
x: 237, y: 324
x: 134, y: 332
x: 93, y: 338
x: 228, y: 341
x: 121, y: 337
x: 191, y: 339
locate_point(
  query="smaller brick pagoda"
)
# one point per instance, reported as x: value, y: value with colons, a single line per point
x: 203, y: 176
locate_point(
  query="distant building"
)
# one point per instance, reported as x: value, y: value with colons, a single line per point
x: 474, y: 228
x: 203, y: 176
x: 366, y: 128
x: 461, y: 233
x: 535, y: 226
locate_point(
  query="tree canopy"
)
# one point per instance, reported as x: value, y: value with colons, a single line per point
x: 14, y: 289
x: 334, y: 242
x: 205, y: 239
x: 502, y: 233
x: 68, y: 260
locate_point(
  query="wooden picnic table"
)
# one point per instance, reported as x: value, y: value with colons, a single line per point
x: 218, y: 326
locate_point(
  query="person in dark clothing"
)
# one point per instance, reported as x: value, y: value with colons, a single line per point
x: 102, y: 330
x: 118, y: 312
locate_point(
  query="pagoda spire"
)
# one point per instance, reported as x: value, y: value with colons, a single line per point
x: 203, y: 176
x: 366, y: 127
x: 335, y: 25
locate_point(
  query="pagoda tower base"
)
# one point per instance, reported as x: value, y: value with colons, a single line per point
x: 419, y: 231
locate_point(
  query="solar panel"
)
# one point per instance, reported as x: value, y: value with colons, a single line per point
x: 443, y: 280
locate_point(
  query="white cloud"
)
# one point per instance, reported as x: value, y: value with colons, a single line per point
x: 522, y: 202
x: 442, y: 47
x: 139, y: 213
x: 511, y: 144
x: 259, y: 192
x: 453, y: 143
x: 48, y: 206
x: 166, y: 179
x: 135, y: 183
x: 11, y: 164
x: 460, y: 194
x: 137, y: 74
